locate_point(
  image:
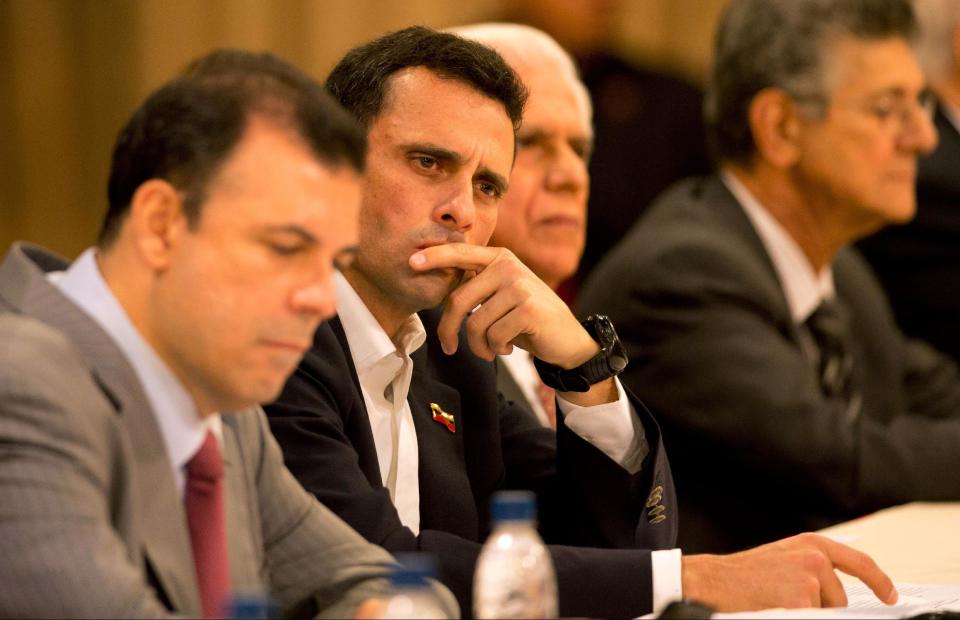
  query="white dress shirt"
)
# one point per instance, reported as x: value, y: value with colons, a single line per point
x: 182, y: 427
x: 384, y: 366
x: 385, y: 369
x: 802, y: 286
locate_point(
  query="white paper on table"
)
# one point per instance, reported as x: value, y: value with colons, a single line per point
x: 914, y: 597
x: 863, y: 603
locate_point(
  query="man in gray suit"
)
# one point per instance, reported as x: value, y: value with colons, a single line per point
x: 789, y: 398
x: 123, y: 492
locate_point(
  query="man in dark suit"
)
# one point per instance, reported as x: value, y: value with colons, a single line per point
x: 123, y: 492
x: 918, y: 263
x: 401, y: 430
x: 789, y: 398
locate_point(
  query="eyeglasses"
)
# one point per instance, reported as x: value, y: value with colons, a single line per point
x: 895, y: 112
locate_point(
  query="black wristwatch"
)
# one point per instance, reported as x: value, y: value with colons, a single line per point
x: 609, y: 362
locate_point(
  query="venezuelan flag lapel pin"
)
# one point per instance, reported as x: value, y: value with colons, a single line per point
x: 442, y: 417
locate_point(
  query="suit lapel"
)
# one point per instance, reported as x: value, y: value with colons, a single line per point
x: 357, y: 421
x: 441, y: 453
x: 722, y: 204
x: 165, y: 535
x: 436, y: 413
x: 244, y: 544
x: 158, y: 504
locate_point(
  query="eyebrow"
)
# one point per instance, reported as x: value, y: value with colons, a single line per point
x: 442, y: 154
x: 434, y: 150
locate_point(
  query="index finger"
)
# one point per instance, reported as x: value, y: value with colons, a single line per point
x: 861, y: 566
x: 457, y: 255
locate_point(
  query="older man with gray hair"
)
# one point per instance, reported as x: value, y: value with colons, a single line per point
x: 789, y: 398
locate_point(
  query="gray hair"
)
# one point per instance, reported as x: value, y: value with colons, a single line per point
x: 784, y: 44
x: 938, y: 19
x: 519, y: 43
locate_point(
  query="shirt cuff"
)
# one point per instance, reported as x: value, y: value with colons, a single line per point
x: 613, y: 428
x: 667, y: 578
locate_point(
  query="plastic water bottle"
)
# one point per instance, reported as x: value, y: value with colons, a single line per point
x: 515, y: 576
x: 412, y: 595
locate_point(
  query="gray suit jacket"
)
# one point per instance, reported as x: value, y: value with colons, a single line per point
x: 758, y: 451
x: 91, y: 522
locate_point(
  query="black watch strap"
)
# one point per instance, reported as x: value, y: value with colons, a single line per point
x: 609, y: 362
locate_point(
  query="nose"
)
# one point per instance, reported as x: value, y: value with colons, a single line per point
x: 920, y: 134
x: 566, y: 170
x: 457, y: 211
x: 317, y: 299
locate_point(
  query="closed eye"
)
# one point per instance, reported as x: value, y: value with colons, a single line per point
x: 283, y: 249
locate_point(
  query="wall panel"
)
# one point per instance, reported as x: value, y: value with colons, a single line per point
x: 72, y: 71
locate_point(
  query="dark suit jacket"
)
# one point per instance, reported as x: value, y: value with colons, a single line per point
x: 584, y: 498
x: 91, y: 522
x: 918, y: 263
x: 758, y: 452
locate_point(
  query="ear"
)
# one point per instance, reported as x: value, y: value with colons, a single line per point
x: 775, y: 125
x: 157, y: 221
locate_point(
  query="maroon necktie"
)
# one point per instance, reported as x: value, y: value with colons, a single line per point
x: 208, y: 531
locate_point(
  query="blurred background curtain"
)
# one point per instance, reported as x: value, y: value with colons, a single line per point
x: 72, y: 71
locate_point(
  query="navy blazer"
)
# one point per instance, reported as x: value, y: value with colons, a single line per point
x: 584, y: 498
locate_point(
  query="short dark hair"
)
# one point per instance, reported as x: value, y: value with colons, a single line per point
x: 185, y: 130
x: 785, y: 44
x: 360, y: 80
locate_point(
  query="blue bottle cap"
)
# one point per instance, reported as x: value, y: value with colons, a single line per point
x: 514, y: 506
x: 251, y: 605
x: 414, y: 570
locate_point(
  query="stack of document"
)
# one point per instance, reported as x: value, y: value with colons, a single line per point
x: 914, y: 599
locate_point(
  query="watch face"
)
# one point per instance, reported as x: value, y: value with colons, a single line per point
x: 603, y: 331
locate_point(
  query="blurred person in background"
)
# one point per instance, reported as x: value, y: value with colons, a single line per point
x: 648, y: 124
x: 918, y: 263
x: 790, y: 399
